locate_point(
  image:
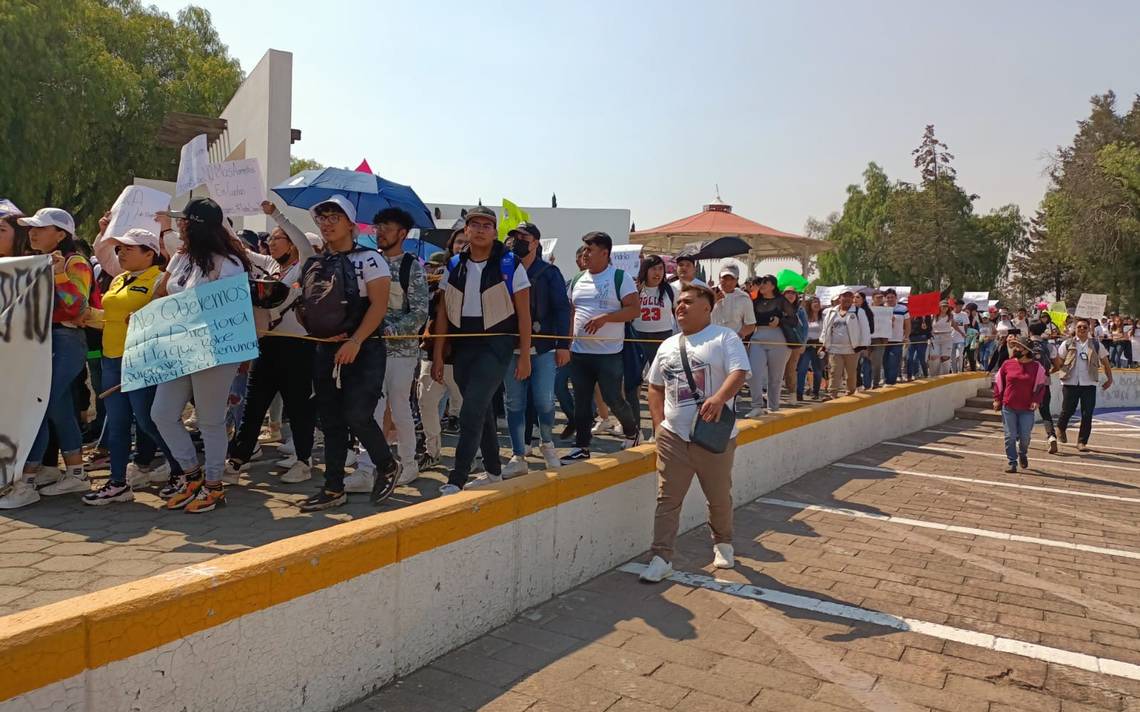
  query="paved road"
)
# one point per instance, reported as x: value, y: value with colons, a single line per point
x: 914, y: 575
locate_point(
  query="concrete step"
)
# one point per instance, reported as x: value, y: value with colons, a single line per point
x: 984, y: 402
x: 987, y: 393
x: 978, y: 414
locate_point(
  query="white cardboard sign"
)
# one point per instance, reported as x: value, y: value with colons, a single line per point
x: 236, y: 186
x: 135, y: 207
x: 982, y: 299
x: 626, y: 258
x: 884, y: 317
x: 1092, y: 306
x: 192, y: 165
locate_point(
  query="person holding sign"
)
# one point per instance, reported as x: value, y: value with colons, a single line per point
x: 51, y: 231
x: 133, y: 259
x: 1081, y: 358
x: 207, y: 255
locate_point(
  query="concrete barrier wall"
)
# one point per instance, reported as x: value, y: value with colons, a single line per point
x: 1125, y: 391
x: 320, y: 620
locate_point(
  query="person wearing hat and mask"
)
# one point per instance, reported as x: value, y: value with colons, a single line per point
x: 51, y: 231
x: 1019, y: 385
x: 550, y: 316
x: 846, y: 333
x: 734, y: 309
x: 687, y: 270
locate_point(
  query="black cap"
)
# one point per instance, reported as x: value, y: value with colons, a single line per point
x: 529, y: 228
x: 203, y: 210
x: 249, y: 237
x: 481, y: 211
x: 687, y: 255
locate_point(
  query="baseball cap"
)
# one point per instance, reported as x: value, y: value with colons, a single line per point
x: 482, y: 211
x: 731, y: 270
x: 8, y: 208
x: 529, y: 228
x: 315, y: 240
x: 341, y: 202
x: 688, y: 256
x: 51, y: 217
x: 249, y: 237
x: 203, y: 210
x: 437, y: 259
x: 140, y: 237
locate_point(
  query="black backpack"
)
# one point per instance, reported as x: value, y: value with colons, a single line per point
x: 331, y: 303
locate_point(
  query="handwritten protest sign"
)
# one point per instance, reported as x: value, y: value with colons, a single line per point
x: 135, y: 207
x: 192, y: 165
x: 826, y: 294
x: 883, y: 322
x: 548, y: 245
x: 189, y: 332
x: 627, y: 258
x: 236, y: 186
x: 1092, y: 305
x: 981, y: 299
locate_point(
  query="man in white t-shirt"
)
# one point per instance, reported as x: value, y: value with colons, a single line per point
x: 900, y: 333
x: 602, y: 299
x: 1081, y: 359
x: 719, y: 366
x: 958, y: 337
x: 348, y: 376
x: 734, y: 310
x: 686, y: 271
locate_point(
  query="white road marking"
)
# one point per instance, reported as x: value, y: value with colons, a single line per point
x: 984, y: 533
x: 967, y: 433
x: 957, y: 451
x: 1106, y: 666
x: 994, y: 483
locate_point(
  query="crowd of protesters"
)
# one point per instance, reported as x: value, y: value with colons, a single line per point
x: 485, y: 336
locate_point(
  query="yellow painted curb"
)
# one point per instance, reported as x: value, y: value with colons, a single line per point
x: 52, y: 643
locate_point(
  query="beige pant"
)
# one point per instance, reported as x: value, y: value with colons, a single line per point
x: 677, y: 462
x: 790, y: 369
x: 843, y: 365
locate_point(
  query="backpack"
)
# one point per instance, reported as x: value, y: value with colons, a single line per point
x: 331, y: 303
x: 619, y: 277
x: 406, y: 277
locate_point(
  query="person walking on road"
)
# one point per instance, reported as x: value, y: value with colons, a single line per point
x: 1081, y: 358
x: 1019, y: 385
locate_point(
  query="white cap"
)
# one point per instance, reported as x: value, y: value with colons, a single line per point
x: 51, y: 217
x: 140, y: 237
x: 731, y: 270
x: 8, y: 208
x: 341, y: 202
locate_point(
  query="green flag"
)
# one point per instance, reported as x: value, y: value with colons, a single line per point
x: 512, y: 216
x: 787, y: 278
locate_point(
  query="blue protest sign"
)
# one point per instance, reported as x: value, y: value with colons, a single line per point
x: 189, y: 332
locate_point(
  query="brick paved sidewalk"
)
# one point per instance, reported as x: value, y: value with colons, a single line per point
x: 873, y: 540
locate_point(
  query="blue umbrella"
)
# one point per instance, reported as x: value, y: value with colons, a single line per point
x: 368, y: 193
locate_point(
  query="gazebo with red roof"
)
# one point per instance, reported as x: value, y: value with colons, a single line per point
x: 718, y: 220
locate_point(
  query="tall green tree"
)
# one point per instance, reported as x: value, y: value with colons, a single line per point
x: 88, y: 83
x: 860, y: 234
x: 296, y: 165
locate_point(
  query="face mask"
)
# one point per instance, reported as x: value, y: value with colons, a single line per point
x: 520, y: 248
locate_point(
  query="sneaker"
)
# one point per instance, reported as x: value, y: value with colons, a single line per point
x: 516, y: 467
x: 174, y: 485
x: 449, y: 489
x: 156, y: 472
x: 385, y: 482
x: 483, y: 480
x: 1062, y: 436
x: 627, y: 443
x: 427, y: 461
x: 287, y: 462
x: 550, y: 455
x: 450, y: 425
x: 298, y: 472
x: 359, y: 482
x: 657, y: 570
x: 74, y: 479
x: 18, y: 494
x: 288, y: 448
x: 323, y: 500
x: 1083, y: 447
x: 350, y: 459
x: 1053, y: 446
x: 270, y: 434
x: 756, y: 412
x: 186, y: 495
x: 605, y: 426
x: 578, y: 454
x: 408, y: 475
x: 477, y: 465
x: 208, y: 498
x: 1023, y: 460
x: 97, y: 459
x: 568, y: 432
x: 232, y: 474
x: 47, y: 476
x: 108, y: 494
x: 1012, y: 469
x: 723, y: 556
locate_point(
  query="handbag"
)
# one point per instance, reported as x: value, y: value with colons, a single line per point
x: 713, y: 437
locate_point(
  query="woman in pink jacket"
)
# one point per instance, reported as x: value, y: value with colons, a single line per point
x: 1019, y: 385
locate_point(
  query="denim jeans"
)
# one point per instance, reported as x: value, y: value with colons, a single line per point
x: 121, y: 409
x: 68, y: 356
x: 350, y: 407
x: 1116, y: 354
x: 916, y: 360
x: 562, y: 392
x: 480, y: 363
x: 809, y: 359
x: 605, y: 372
x: 537, y: 390
x: 1018, y: 426
x: 865, y: 369
x: 892, y: 361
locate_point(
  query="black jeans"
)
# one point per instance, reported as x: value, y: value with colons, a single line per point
x: 480, y: 365
x: 1046, y: 415
x: 1070, y: 396
x: 350, y: 408
x: 604, y: 371
x: 285, y: 367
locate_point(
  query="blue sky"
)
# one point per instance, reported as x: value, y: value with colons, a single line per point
x: 647, y: 105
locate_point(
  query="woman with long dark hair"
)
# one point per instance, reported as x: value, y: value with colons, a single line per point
x: 209, y: 253
x: 655, y: 321
x: 51, y: 231
x: 810, y: 359
x: 768, y: 351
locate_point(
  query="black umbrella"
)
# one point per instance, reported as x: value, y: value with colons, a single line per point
x: 721, y: 247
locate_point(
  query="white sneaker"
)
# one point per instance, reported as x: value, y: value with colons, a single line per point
x: 408, y: 475
x: 350, y: 459
x: 138, y: 477
x: 270, y: 434
x: 550, y: 455
x: 298, y: 472
x: 627, y: 443
x: 756, y: 412
x: 516, y: 467
x: 605, y: 426
x: 723, y: 557
x: 657, y: 570
x: 287, y: 462
x: 287, y: 447
x: 231, y: 475
x: 20, y: 493
x: 483, y: 480
x: 616, y: 430
x: 159, y: 474
x: 360, y: 481
x: 448, y: 489
x: 74, y: 480
x: 48, y: 476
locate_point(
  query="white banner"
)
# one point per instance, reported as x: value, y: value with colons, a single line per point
x: 1092, y: 306
x: 981, y: 299
x: 825, y: 294
x: 883, y: 322
x: 192, y: 165
x: 548, y: 245
x: 236, y: 186
x: 135, y: 207
x: 627, y: 258
x: 27, y: 295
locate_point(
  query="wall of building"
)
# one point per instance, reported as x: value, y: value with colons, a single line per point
x: 319, y: 620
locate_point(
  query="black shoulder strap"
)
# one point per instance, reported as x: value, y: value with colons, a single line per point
x: 406, y: 276
x: 700, y: 397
